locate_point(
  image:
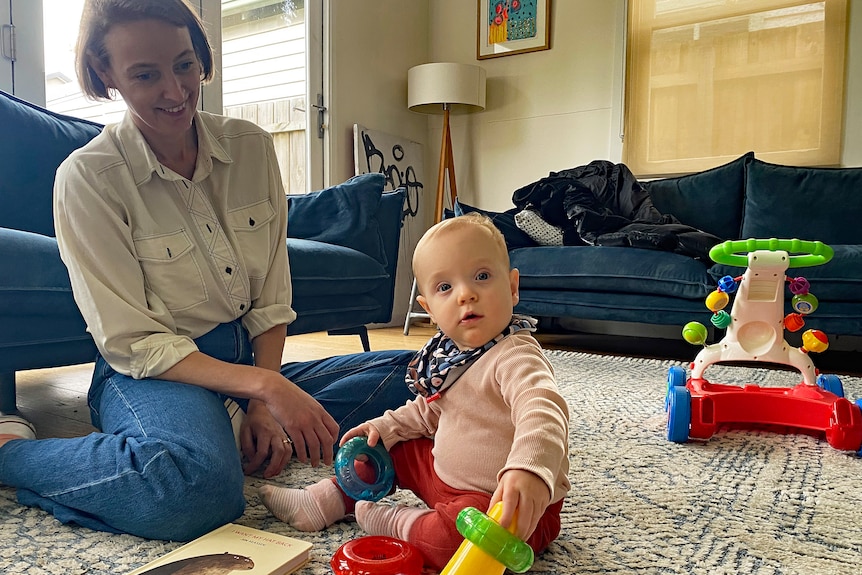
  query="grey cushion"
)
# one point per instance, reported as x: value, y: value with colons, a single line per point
x: 505, y: 222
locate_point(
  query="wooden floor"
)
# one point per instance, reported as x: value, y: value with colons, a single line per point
x: 55, y: 400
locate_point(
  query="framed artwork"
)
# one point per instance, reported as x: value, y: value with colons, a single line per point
x: 508, y: 27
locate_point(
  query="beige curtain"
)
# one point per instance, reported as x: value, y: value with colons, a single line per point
x: 708, y: 80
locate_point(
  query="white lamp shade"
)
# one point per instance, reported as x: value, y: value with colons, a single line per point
x: 429, y: 86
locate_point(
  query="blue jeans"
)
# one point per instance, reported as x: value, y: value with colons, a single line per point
x: 165, y: 464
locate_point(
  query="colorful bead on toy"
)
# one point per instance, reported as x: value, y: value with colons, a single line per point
x: 694, y: 333
x: 717, y: 300
x: 814, y: 340
x: 727, y: 284
x: 720, y: 319
x: 793, y: 322
x: 804, y: 303
x: 799, y: 286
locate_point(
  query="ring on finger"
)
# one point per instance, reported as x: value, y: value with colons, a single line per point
x: 287, y: 440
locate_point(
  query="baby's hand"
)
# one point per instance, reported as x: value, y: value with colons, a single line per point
x: 363, y: 430
x: 526, y: 492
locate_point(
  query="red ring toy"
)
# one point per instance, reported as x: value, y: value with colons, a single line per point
x: 376, y: 555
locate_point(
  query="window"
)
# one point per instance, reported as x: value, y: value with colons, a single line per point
x: 708, y: 80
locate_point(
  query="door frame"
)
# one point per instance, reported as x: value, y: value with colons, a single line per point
x: 25, y: 77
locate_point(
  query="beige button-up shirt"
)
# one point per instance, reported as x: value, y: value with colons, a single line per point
x: 156, y: 260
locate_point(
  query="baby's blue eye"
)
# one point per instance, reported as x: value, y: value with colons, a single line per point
x: 483, y: 276
x: 444, y: 287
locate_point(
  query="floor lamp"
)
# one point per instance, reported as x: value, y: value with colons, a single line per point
x: 447, y: 88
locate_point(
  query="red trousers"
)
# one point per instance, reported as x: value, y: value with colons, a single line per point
x: 435, y: 534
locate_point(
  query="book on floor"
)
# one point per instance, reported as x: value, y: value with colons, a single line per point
x: 233, y: 548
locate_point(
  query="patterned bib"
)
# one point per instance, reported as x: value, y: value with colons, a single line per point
x: 440, y: 363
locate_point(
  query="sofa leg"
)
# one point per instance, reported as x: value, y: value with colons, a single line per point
x: 7, y: 393
x: 361, y: 331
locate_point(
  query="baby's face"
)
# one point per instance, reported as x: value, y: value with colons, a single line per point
x: 467, y: 287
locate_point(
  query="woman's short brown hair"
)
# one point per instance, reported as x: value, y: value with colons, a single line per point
x: 100, y: 15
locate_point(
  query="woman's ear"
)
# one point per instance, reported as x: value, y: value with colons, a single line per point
x: 100, y: 70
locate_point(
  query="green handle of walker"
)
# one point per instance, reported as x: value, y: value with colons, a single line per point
x: 803, y: 253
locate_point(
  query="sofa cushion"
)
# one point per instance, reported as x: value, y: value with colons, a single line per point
x: 347, y: 271
x: 710, y: 200
x: 611, y: 270
x: 33, y: 279
x: 505, y: 222
x: 807, y: 203
x: 838, y: 280
x: 35, y: 142
x: 343, y: 215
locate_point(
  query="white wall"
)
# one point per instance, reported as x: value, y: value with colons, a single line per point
x: 374, y: 43
x: 546, y: 111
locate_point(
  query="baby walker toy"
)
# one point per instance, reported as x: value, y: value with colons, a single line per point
x: 755, y: 332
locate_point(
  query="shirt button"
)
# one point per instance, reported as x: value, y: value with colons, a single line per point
x: 228, y: 270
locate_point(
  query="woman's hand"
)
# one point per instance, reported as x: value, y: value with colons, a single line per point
x: 311, y: 428
x: 261, y: 437
x: 526, y: 492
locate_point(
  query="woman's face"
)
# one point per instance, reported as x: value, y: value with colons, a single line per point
x: 154, y: 68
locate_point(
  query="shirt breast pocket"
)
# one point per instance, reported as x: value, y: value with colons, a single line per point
x: 170, y: 269
x: 251, y: 226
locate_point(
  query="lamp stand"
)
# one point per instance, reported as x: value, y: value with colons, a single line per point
x: 447, y: 167
x: 446, y: 171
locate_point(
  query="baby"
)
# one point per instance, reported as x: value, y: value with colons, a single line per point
x: 488, y: 424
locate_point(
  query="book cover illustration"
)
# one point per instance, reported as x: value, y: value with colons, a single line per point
x: 232, y: 549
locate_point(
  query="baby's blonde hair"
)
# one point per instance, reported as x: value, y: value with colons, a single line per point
x: 481, y: 221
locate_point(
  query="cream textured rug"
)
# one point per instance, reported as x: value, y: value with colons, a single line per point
x: 747, y: 502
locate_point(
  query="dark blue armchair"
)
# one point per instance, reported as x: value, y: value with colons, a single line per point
x: 343, y: 245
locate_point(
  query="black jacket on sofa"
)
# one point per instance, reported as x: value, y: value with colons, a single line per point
x: 603, y: 204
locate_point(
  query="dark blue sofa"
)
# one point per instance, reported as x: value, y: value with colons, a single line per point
x: 605, y: 290
x: 343, y: 249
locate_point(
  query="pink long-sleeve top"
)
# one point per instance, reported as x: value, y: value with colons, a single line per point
x: 503, y: 413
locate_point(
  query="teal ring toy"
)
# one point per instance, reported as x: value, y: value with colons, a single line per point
x: 802, y: 253
x: 347, y: 477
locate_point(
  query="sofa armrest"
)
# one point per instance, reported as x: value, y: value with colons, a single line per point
x: 391, y: 219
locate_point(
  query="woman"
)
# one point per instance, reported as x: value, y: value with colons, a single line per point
x: 172, y: 224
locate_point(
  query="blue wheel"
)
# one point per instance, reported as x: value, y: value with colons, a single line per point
x: 678, y: 414
x: 675, y: 378
x: 831, y: 383
x: 377, y: 458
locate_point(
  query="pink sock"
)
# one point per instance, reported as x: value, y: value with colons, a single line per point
x: 392, y: 521
x: 310, y: 509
